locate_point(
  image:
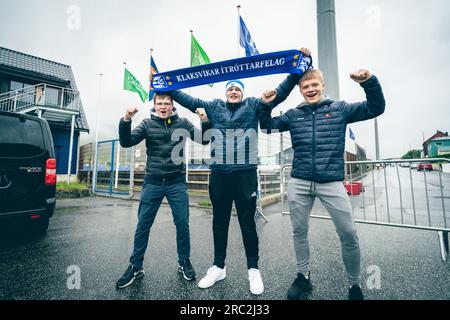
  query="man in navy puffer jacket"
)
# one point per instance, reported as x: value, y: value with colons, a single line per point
x: 317, y: 129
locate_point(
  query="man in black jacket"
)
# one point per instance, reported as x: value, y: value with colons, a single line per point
x: 317, y: 129
x: 165, y: 134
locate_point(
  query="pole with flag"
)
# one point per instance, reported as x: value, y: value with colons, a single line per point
x: 198, y: 55
x: 116, y: 177
x: 130, y: 83
x: 153, y: 71
x: 238, y: 45
x: 245, y: 38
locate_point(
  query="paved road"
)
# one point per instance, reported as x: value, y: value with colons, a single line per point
x: 95, y: 234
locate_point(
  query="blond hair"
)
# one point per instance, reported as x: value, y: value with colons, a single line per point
x: 312, y: 74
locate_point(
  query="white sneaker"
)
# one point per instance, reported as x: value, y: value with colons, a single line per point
x: 256, y: 284
x: 213, y: 275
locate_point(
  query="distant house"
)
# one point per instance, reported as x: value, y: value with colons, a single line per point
x: 426, y: 144
x: 439, y: 147
x: 47, y: 89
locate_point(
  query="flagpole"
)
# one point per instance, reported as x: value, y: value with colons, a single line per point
x: 151, y: 70
x: 238, y: 28
x: 187, y: 140
x: 94, y: 178
x: 116, y: 183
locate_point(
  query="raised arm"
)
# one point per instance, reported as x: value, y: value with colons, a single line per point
x: 196, y: 135
x: 285, y: 88
x: 128, y: 138
x: 374, y: 104
x: 266, y: 121
x: 189, y: 102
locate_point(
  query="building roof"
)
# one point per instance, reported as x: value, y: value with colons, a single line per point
x: 42, y: 68
x: 438, y: 134
x: 441, y: 139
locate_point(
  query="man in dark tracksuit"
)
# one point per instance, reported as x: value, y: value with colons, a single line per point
x: 317, y: 129
x: 164, y: 133
x: 234, y: 146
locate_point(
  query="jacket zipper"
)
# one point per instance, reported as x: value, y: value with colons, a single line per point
x: 163, y: 172
x: 314, y: 147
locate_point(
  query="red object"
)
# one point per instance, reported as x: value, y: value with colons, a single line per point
x: 35, y: 216
x: 425, y: 166
x: 360, y: 185
x: 352, y: 188
x: 50, y: 172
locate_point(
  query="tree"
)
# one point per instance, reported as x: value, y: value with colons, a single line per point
x: 412, y: 154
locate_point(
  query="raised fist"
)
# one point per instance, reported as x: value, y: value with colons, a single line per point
x: 202, y: 114
x: 131, y: 111
x: 269, y: 95
x: 361, y: 75
x: 305, y: 51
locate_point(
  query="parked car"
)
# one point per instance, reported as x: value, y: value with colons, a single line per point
x: 27, y: 171
x: 425, y: 166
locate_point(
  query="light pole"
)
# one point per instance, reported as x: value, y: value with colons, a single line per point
x: 326, y: 32
x: 377, y: 142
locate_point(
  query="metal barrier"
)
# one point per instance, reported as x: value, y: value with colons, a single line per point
x: 113, y: 170
x: 420, y: 202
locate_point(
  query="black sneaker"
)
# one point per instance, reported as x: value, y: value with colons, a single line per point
x: 129, y: 276
x: 300, y: 288
x: 187, y: 270
x: 355, y: 293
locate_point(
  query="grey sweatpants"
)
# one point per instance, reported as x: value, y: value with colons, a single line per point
x: 301, y: 196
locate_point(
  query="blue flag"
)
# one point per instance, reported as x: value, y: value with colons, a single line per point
x: 153, y: 71
x: 352, y: 136
x: 290, y: 61
x: 246, y: 41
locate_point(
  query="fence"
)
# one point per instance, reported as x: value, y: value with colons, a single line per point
x: 400, y: 193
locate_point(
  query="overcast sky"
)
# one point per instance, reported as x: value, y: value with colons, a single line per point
x: 405, y: 43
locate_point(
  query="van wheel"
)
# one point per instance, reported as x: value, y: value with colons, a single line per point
x: 40, y: 226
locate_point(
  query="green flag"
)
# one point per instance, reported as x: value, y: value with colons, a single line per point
x: 130, y: 83
x: 198, y: 55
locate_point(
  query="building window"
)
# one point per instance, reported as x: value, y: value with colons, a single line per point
x: 15, y: 85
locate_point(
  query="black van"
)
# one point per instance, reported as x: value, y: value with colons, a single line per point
x: 27, y: 171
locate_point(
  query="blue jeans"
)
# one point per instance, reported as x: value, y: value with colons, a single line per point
x: 151, y: 198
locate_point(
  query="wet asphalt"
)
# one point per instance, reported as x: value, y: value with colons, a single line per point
x: 95, y: 235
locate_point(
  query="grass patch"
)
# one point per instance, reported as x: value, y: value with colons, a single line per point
x: 65, y: 187
x: 205, y: 203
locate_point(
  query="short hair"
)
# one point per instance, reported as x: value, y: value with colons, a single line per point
x: 312, y: 74
x: 161, y: 95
